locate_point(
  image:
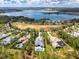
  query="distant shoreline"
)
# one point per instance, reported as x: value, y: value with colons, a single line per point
x: 69, y: 13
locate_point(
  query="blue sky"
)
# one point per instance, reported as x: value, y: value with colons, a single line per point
x: 39, y: 3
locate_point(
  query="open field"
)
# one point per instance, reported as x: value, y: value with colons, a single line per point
x: 33, y: 26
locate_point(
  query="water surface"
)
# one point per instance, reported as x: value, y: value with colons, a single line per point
x: 37, y: 14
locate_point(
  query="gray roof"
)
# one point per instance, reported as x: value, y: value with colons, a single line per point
x: 7, y: 40
x: 39, y: 41
x: 2, y: 35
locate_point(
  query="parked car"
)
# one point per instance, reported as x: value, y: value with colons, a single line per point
x: 20, y: 45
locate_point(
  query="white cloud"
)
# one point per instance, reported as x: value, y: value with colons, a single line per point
x: 34, y: 3
x: 1, y: 1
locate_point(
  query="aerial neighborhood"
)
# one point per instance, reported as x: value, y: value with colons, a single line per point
x: 27, y: 38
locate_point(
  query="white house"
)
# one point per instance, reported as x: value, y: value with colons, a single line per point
x: 56, y: 43
x: 39, y: 43
x: 6, y: 41
x: 2, y: 35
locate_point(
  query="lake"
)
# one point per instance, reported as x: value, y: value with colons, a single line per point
x: 37, y: 14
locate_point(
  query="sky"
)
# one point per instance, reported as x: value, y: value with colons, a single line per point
x: 39, y: 3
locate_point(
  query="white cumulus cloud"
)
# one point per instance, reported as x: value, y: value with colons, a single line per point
x: 35, y: 3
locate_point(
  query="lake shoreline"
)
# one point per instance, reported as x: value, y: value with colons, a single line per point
x: 38, y: 14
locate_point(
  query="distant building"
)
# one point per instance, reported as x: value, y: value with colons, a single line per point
x: 76, y: 34
x: 8, y: 26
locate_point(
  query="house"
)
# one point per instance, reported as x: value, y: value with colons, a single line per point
x: 6, y: 41
x: 39, y: 41
x: 76, y: 34
x: 7, y: 26
x: 2, y: 35
x: 22, y: 41
x: 39, y: 44
x: 56, y: 43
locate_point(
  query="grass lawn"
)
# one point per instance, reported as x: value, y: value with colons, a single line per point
x: 6, y: 53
